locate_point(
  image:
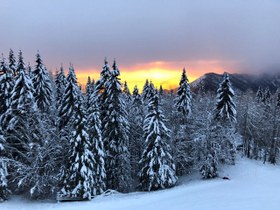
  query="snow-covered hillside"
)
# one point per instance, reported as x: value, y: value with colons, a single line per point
x: 252, y: 185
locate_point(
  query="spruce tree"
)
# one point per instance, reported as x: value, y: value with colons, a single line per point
x: 126, y: 90
x: 4, y: 192
x: 102, y: 92
x: 161, y: 92
x: 42, y: 86
x: 184, y: 97
x: 136, y: 118
x: 260, y: 95
x: 6, y: 86
x: 115, y: 135
x: 12, y: 62
x: 145, y: 91
x: 225, y: 106
x: 70, y: 98
x: 267, y: 96
x: 278, y: 100
x: 95, y: 137
x: 89, y: 90
x: 78, y: 175
x: 157, y: 167
x: 61, y: 84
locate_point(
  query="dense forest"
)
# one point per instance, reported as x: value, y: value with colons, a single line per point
x: 55, y: 138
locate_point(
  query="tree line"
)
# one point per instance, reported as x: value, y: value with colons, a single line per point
x: 56, y: 139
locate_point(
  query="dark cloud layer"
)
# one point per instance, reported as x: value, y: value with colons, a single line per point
x: 245, y: 32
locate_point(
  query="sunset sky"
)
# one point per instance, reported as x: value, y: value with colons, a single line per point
x: 151, y: 39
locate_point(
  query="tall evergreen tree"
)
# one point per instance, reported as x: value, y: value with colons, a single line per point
x: 158, y: 169
x: 136, y: 118
x: 42, y: 86
x: 70, y: 98
x: 260, y: 95
x: 12, y: 62
x: 61, y: 84
x: 145, y: 91
x: 4, y: 192
x: 95, y: 137
x: 115, y: 135
x: 78, y: 175
x: 184, y: 97
x: 102, y: 92
x: 6, y: 86
x: 89, y: 90
x: 225, y: 107
x: 278, y: 99
x: 267, y: 96
x: 126, y: 90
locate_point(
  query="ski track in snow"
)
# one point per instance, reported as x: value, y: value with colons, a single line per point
x: 252, y: 186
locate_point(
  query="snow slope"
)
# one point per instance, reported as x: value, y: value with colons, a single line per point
x: 252, y: 185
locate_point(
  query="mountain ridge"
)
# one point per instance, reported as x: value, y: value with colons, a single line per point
x: 209, y: 82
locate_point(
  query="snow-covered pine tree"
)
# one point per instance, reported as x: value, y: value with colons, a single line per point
x: 89, y: 90
x: 78, y: 175
x: 102, y: 92
x: 222, y: 127
x: 115, y: 134
x: 225, y: 107
x: 267, y: 96
x: 42, y: 86
x: 29, y: 71
x: 95, y: 137
x: 146, y: 90
x: 278, y: 99
x: 157, y: 167
x: 260, y: 95
x: 6, y: 86
x: 61, y: 84
x: 12, y: 62
x: 136, y: 118
x: 70, y: 98
x: 184, y: 97
x: 126, y: 90
x: 161, y: 92
x: 4, y: 192
x: 22, y: 99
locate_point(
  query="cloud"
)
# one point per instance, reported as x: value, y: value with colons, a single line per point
x: 242, y: 35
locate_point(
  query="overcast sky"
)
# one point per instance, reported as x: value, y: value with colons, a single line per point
x: 241, y: 34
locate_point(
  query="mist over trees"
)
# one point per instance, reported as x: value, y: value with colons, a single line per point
x: 56, y: 139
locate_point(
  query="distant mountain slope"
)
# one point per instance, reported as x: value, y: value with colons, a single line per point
x: 240, y: 82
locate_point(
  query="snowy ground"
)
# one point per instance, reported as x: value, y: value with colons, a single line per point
x: 252, y: 186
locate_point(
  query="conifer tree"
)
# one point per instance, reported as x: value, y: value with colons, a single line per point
x: 145, y: 91
x: 78, y: 175
x: 70, y: 98
x: 102, y: 92
x: 42, y: 86
x: 115, y: 135
x: 157, y: 167
x: 89, y: 90
x: 61, y: 84
x: 184, y: 97
x: 267, y: 96
x: 6, y: 86
x: 126, y: 90
x: 161, y: 92
x: 225, y: 106
x: 12, y: 62
x: 4, y: 192
x: 278, y: 100
x: 95, y: 137
x: 136, y: 118
x: 260, y: 95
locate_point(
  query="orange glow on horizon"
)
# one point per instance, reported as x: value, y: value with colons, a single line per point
x: 167, y: 74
